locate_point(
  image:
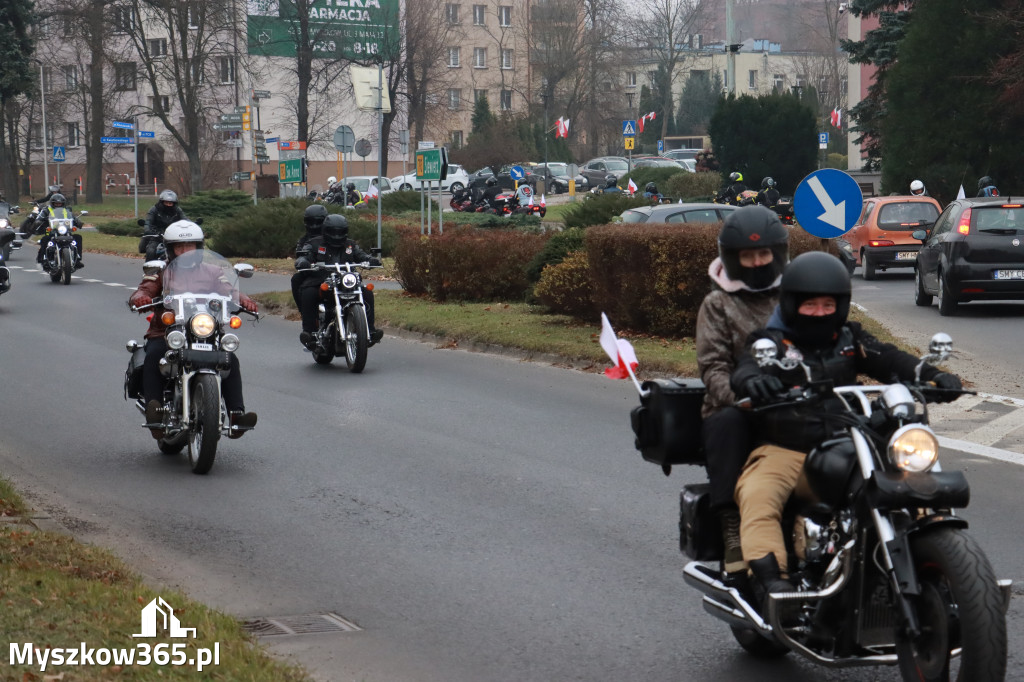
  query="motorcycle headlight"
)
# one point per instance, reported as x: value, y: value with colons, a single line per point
x: 229, y: 342
x: 913, y: 448
x: 62, y: 229
x: 349, y: 280
x: 203, y: 325
x: 3, y: 222
x: 175, y: 339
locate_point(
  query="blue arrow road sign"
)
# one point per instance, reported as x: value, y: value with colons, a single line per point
x: 827, y: 203
x: 147, y: 133
x: 58, y: 155
x: 516, y: 173
x: 629, y: 128
x: 116, y: 140
x: 122, y: 124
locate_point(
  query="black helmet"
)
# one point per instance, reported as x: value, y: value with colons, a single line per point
x: 350, y: 186
x: 811, y: 274
x: 753, y: 227
x: 610, y: 180
x: 767, y: 182
x: 58, y: 200
x: 335, y: 230
x: 313, y: 218
x: 735, y: 177
x: 651, y: 187
x: 491, y: 181
x: 985, y: 181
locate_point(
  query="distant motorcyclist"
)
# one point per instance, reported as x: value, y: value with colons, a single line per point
x: 609, y: 185
x: 51, y: 190
x: 491, y: 192
x: 987, y: 187
x: 333, y: 246
x: 768, y: 196
x: 160, y: 216
x: 28, y: 223
x: 731, y: 193
x: 58, y: 210
x: 651, y: 192
x: 352, y: 195
x: 917, y: 189
x: 313, y: 219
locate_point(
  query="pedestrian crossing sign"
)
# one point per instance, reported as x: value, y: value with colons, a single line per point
x: 58, y: 154
x: 629, y: 128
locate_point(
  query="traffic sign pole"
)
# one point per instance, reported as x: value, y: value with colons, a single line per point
x: 135, y: 155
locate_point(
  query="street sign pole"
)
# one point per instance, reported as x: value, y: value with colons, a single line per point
x: 135, y: 154
x: 380, y: 146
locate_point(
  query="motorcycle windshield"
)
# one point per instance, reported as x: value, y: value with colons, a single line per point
x: 200, y: 281
x: 5, y: 210
x: 61, y: 226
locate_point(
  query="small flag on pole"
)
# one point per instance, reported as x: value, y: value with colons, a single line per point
x: 961, y: 194
x: 620, y: 351
x: 643, y: 119
x: 632, y: 186
x: 837, y: 117
x: 562, y: 127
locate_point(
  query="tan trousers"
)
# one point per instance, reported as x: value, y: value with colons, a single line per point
x: 769, y: 477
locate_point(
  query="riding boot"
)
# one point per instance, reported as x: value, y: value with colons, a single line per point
x: 767, y: 579
x: 733, y: 566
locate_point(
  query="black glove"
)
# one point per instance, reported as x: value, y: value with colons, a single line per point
x: 301, y: 263
x: 947, y: 381
x: 375, y: 261
x: 763, y: 388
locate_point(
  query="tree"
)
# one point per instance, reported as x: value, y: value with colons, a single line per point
x: 482, y: 119
x: 15, y: 79
x: 697, y: 102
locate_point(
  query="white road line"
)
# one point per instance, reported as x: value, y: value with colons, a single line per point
x: 112, y: 284
x: 995, y: 430
x: 982, y: 450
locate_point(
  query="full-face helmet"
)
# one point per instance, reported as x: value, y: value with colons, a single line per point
x: 735, y: 177
x: 753, y: 227
x: 58, y: 201
x: 335, y: 230
x: 812, y: 274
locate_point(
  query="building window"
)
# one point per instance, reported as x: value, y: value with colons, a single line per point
x: 69, y: 26
x: 752, y: 79
x: 506, y: 100
x: 453, y: 57
x: 37, y: 136
x: 725, y: 78
x: 157, y: 47
x: 505, y: 15
x: 454, y: 98
x: 70, y: 77
x: 47, y: 79
x: 479, y: 15
x: 506, y: 58
x: 456, y: 139
x: 480, y: 57
x: 124, y: 76
x: 631, y: 79
x: 226, y: 67
x: 695, y: 41
x: 122, y: 19
x: 451, y: 10
x: 479, y: 95
x: 74, y: 135
x: 779, y: 82
x: 160, y: 103
x: 801, y: 81
x: 194, y: 16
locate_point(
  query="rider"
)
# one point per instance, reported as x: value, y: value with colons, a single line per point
x: 731, y: 194
x: 352, y: 195
x: 333, y: 246
x: 768, y: 196
x: 491, y: 192
x: 609, y: 184
x: 57, y: 209
x: 917, y: 189
x: 27, y: 223
x: 651, y: 192
x: 313, y: 218
x: 987, y: 187
x: 753, y: 248
x: 158, y: 219
x: 179, y: 238
x: 810, y: 323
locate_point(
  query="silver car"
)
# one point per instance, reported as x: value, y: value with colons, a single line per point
x: 678, y: 213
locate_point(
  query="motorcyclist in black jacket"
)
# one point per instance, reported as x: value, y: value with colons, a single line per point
x: 57, y: 209
x: 731, y: 194
x: 491, y: 193
x: 313, y: 218
x: 768, y: 196
x: 159, y: 218
x: 333, y: 246
x: 29, y: 222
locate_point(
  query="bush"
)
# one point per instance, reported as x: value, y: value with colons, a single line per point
x: 466, y: 264
x: 701, y: 186
x: 555, y: 251
x: 398, y: 202
x: 122, y: 228
x: 641, y: 176
x: 599, y: 209
x: 215, y: 203
x: 520, y: 220
x: 566, y: 287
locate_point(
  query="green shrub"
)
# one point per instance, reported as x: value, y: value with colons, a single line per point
x: 701, y: 186
x: 565, y: 287
x: 215, y: 203
x: 555, y: 250
x: 128, y: 227
x: 641, y: 176
x: 599, y: 209
x: 520, y: 220
x: 398, y: 202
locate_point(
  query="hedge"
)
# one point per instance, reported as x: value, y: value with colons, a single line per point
x: 599, y: 209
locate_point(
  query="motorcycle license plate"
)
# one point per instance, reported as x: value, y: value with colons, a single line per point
x: 202, y: 346
x: 906, y: 255
x: 1008, y: 274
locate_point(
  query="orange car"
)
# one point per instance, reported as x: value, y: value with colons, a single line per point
x: 882, y: 237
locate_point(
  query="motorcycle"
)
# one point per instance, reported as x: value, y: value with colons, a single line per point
x: 521, y: 204
x: 747, y: 197
x: 61, y: 254
x: 462, y: 201
x: 886, y: 572
x: 12, y: 242
x: 784, y: 209
x: 343, y: 329
x: 201, y: 341
x: 153, y: 244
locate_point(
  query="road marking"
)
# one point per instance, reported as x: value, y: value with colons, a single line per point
x: 994, y: 431
x: 982, y: 450
x: 112, y: 284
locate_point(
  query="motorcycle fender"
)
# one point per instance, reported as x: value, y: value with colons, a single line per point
x: 899, y: 550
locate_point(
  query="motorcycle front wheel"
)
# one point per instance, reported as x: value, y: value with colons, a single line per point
x: 358, y: 340
x: 67, y: 264
x: 204, y: 430
x: 960, y: 607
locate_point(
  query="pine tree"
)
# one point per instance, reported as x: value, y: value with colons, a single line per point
x: 482, y: 118
x: 698, y: 101
x: 16, y: 73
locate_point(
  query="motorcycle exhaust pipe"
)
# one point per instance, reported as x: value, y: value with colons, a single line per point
x: 722, y: 601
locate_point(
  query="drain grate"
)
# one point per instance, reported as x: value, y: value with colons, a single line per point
x: 310, y: 623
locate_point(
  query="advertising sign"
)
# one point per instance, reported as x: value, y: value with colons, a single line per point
x: 355, y: 30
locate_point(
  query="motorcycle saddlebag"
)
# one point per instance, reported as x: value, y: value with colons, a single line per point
x: 667, y: 422
x: 133, y: 375
x: 700, y: 535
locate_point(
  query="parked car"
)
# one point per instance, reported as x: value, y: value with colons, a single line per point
x: 678, y: 213
x: 882, y: 236
x: 362, y: 183
x: 457, y: 179
x: 596, y: 170
x: 682, y: 154
x: 973, y: 252
x: 557, y: 180
x: 657, y: 162
x: 504, y: 177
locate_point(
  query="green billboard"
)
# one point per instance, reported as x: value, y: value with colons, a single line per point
x: 338, y: 29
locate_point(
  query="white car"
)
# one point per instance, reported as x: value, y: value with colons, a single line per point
x: 362, y: 183
x: 457, y: 179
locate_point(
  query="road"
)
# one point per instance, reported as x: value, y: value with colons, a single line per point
x: 478, y: 518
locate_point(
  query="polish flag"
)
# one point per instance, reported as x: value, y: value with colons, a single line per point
x: 837, y: 117
x: 371, y: 191
x: 530, y: 203
x: 632, y: 186
x: 643, y: 119
x: 961, y: 194
x: 619, y: 350
x: 541, y: 200
x: 562, y: 127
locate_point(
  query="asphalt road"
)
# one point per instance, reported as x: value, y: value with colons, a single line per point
x: 480, y: 519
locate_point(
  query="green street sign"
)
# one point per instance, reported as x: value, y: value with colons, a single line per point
x: 358, y: 30
x: 431, y: 164
x: 289, y: 171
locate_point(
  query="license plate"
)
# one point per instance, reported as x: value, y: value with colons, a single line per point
x: 1008, y: 274
x: 906, y: 255
x: 202, y: 346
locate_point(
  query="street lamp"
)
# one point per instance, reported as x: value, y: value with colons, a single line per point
x: 42, y: 98
x: 544, y: 97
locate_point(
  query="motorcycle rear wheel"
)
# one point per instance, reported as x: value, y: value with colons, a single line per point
x: 358, y: 340
x: 960, y: 606
x: 67, y: 264
x: 756, y: 645
x: 204, y: 431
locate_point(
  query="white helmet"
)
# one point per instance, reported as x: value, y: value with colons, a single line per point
x: 917, y: 187
x: 183, y: 231
x: 331, y: 180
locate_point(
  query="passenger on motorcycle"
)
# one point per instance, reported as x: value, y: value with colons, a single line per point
x: 29, y: 222
x: 768, y: 196
x: 731, y: 193
x: 352, y: 195
x: 651, y: 192
x: 809, y: 324
x: 313, y: 218
x: 182, y: 237
x: 917, y: 189
x: 490, y: 195
x: 987, y: 187
x: 609, y: 184
x: 158, y: 219
x: 753, y: 250
x: 333, y: 246
x: 57, y: 209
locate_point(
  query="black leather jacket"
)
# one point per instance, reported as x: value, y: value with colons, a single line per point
x: 316, y: 250
x: 156, y: 222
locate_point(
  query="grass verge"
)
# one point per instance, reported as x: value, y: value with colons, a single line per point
x: 59, y: 594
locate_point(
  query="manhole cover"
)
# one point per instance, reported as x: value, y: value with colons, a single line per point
x: 310, y: 623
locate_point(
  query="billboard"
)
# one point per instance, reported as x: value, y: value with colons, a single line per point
x: 338, y: 29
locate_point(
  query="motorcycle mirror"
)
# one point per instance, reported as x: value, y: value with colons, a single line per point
x: 375, y: 252
x: 83, y: 213
x: 153, y: 267
x: 244, y: 270
x: 941, y: 345
x: 141, y: 222
x: 764, y: 351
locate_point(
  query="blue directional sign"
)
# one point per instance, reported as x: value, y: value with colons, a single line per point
x: 271, y: 139
x: 517, y: 173
x: 58, y: 155
x: 122, y: 124
x: 147, y: 133
x: 116, y: 140
x: 827, y: 203
x: 629, y: 128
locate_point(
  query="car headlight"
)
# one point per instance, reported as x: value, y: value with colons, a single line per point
x: 913, y: 448
x: 229, y: 342
x: 203, y: 325
x: 348, y: 280
x: 175, y: 339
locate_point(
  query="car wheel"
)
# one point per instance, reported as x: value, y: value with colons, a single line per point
x: 867, y: 267
x: 947, y: 302
x: 456, y: 187
x: 922, y: 297
x: 405, y: 187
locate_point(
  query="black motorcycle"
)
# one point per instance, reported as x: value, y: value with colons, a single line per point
x: 343, y: 328
x: 61, y: 254
x: 886, y: 572
x: 6, y: 223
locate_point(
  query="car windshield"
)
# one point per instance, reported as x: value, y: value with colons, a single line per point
x: 906, y: 215
x: 634, y: 216
x: 998, y: 218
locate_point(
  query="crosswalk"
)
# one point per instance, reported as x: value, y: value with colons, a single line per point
x: 987, y: 421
